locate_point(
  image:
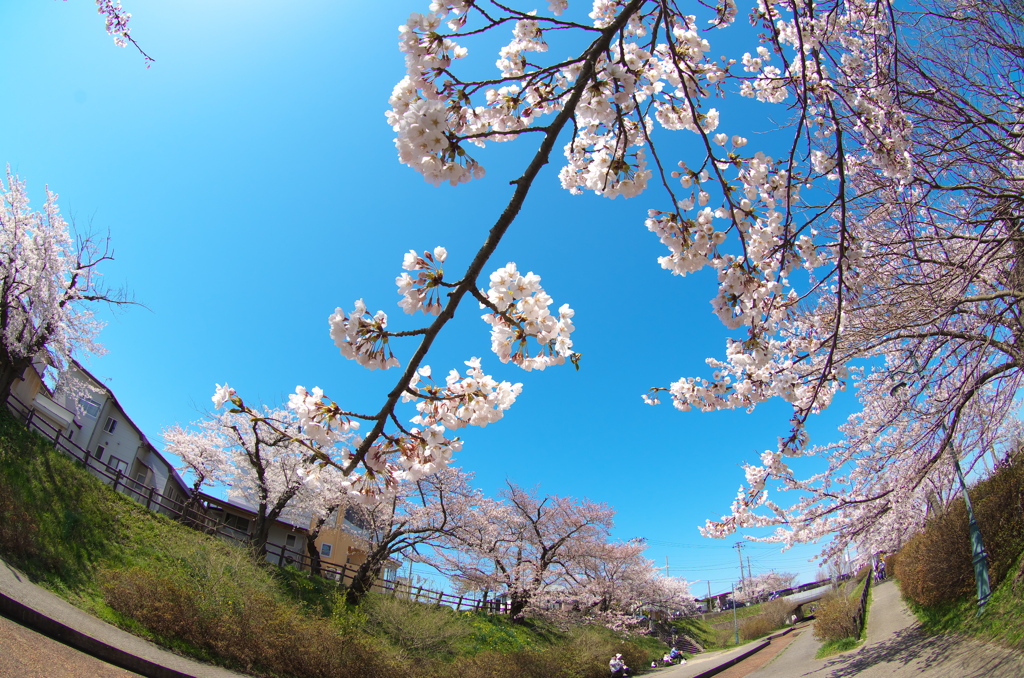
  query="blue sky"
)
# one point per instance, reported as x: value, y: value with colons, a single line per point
x: 249, y: 185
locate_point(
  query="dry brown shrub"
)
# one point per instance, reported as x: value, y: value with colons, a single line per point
x: 155, y: 602
x: 254, y: 632
x: 721, y: 637
x: 521, y: 664
x: 756, y: 627
x: 17, y: 528
x: 935, y: 566
x: 777, y: 612
x: 417, y: 628
x: 835, y: 618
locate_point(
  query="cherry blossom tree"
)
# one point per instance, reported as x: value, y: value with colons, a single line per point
x: 523, y: 546
x: 613, y: 582
x: 49, y: 284
x: 931, y: 311
x: 323, y: 497
x: 259, y: 460
x: 872, y: 242
x: 202, y: 456
x: 418, y: 515
x: 763, y: 585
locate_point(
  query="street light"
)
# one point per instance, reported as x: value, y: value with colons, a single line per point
x: 979, y: 556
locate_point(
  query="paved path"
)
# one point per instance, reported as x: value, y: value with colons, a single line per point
x: 896, y: 648
x: 29, y: 605
x: 27, y: 654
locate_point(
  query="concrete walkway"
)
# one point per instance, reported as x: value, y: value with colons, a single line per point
x: 896, y: 647
x: 35, y: 608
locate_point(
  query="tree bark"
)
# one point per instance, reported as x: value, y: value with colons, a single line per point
x: 314, y: 555
x: 364, y: 579
x: 10, y: 373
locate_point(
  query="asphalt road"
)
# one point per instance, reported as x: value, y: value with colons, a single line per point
x: 896, y: 648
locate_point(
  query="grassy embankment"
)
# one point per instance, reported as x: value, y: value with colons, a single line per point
x: 753, y: 622
x: 935, y: 568
x: 209, y: 599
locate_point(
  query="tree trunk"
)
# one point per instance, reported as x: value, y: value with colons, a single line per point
x: 10, y: 373
x: 364, y: 579
x: 518, y: 600
x: 314, y: 555
x: 259, y: 537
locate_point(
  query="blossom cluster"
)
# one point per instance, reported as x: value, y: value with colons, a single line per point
x: 362, y: 337
x: 522, y: 309
x: 474, y: 400
x: 421, y: 293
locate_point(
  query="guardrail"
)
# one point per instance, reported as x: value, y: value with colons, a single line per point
x: 861, y: 615
x: 193, y: 513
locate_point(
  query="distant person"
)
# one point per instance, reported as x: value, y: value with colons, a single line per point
x: 618, y: 667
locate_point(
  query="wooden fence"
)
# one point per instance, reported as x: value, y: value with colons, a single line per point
x: 195, y: 515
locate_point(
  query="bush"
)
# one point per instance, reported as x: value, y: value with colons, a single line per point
x: 417, y: 628
x: 835, y: 618
x: 935, y: 565
x: 756, y: 627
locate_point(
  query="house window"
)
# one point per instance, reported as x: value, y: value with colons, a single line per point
x: 356, y: 517
x: 237, y: 522
x: 110, y: 425
x: 325, y: 550
x: 290, y: 541
x: 100, y: 449
x: 118, y: 464
x: 89, y: 407
x: 141, y: 476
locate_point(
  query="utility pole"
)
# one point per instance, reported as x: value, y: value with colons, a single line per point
x: 750, y: 573
x: 709, y: 595
x: 739, y: 551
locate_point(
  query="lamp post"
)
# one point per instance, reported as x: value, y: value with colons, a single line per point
x: 979, y: 557
x: 735, y: 621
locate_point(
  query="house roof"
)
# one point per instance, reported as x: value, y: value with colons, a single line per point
x: 142, y: 436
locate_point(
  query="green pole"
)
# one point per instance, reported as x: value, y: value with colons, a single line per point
x: 735, y: 623
x: 980, y: 558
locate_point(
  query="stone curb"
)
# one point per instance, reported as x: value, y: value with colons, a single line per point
x: 740, y: 657
x: 29, y: 618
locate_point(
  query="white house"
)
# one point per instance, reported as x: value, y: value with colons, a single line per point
x: 102, y: 428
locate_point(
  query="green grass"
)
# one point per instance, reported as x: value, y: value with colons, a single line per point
x: 831, y: 647
x: 1002, y: 622
x: 210, y: 599
x: 726, y: 615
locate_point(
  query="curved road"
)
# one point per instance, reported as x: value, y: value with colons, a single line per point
x: 895, y: 648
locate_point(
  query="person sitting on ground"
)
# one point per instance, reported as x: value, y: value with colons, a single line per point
x: 676, y: 655
x: 617, y: 667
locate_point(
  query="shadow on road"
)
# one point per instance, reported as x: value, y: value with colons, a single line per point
x: 911, y: 651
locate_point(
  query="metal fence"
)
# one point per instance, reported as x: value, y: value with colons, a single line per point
x: 194, y: 512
